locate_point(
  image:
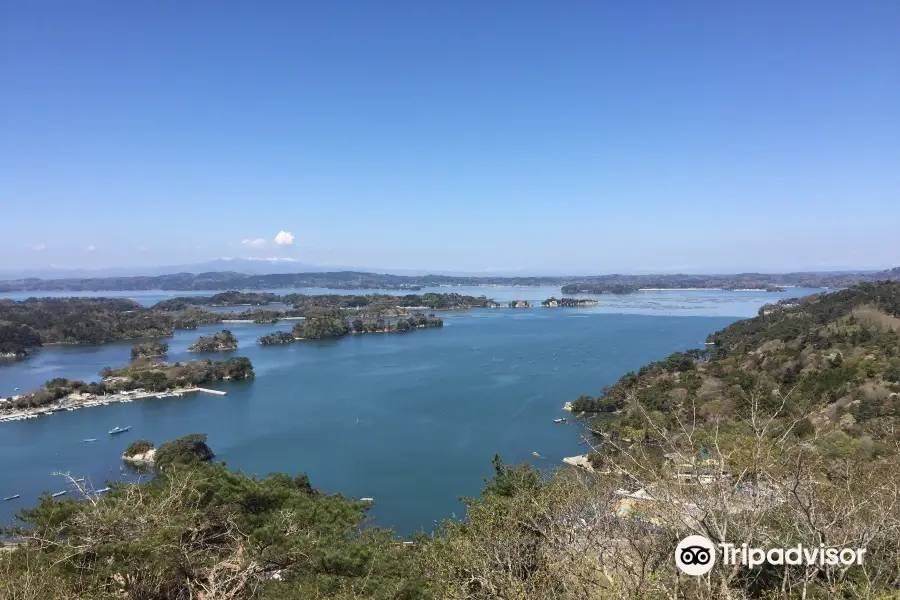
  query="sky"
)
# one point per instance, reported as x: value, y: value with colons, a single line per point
x: 512, y: 135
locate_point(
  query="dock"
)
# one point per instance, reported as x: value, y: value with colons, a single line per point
x: 209, y: 391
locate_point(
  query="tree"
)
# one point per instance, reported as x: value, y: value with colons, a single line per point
x: 187, y: 450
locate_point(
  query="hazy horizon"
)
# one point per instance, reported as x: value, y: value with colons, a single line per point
x: 466, y: 137
x: 258, y: 268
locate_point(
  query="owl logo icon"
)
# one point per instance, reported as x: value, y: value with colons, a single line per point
x: 695, y: 555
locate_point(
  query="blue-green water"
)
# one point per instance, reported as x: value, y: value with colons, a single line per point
x: 411, y: 420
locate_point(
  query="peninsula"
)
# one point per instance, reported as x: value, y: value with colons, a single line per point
x: 143, y: 378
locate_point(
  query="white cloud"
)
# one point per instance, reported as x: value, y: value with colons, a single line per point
x: 284, y: 238
x: 91, y: 248
x: 256, y: 242
x: 36, y: 247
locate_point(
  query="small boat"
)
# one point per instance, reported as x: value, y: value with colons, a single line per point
x: 117, y: 429
x: 91, y: 440
x: 57, y: 494
x: 367, y: 499
x: 559, y: 420
x: 8, y: 498
x: 106, y: 489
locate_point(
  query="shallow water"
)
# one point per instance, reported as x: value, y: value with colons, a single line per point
x: 411, y: 419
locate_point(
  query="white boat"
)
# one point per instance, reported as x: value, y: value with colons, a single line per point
x: 559, y: 420
x: 117, y: 429
x: 57, y: 494
x: 8, y: 498
x: 91, y: 440
x: 106, y: 489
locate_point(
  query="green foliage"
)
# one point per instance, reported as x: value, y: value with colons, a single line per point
x: 201, y: 531
x: 17, y: 338
x: 76, y: 320
x: 596, y: 405
x: 187, y: 450
x: 321, y: 327
x: 138, y: 447
x: 510, y: 480
x: 825, y: 365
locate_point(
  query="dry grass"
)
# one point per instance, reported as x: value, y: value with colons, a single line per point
x: 873, y: 317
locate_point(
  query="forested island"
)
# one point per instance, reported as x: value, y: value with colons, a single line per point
x: 37, y: 321
x: 598, y: 288
x: 221, y: 341
x: 142, y: 375
x: 187, y: 450
x: 334, y: 325
x: 31, y: 323
x: 301, y: 302
x: 149, y: 350
x: 553, y: 302
x: 517, y: 304
x: 275, y: 339
x: 355, y: 280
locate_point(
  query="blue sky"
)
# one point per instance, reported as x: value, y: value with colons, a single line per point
x: 545, y: 136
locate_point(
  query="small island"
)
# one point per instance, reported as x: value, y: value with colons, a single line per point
x: 149, y: 350
x: 186, y: 450
x: 274, y: 339
x: 553, y: 302
x: 140, y: 453
x: 520, y: 304
x: 221, y: 341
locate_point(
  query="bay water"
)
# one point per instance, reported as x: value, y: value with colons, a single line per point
x: 411, y: 420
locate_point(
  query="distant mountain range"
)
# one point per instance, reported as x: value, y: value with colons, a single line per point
x: 350, y: 280
x: 237, y: 265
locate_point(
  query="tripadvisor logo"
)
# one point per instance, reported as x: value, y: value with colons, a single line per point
x: 696, y: 555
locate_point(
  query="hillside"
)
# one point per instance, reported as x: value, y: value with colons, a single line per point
x: 829, y: 364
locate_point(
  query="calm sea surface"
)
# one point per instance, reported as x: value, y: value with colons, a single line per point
x: 411, y: 420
